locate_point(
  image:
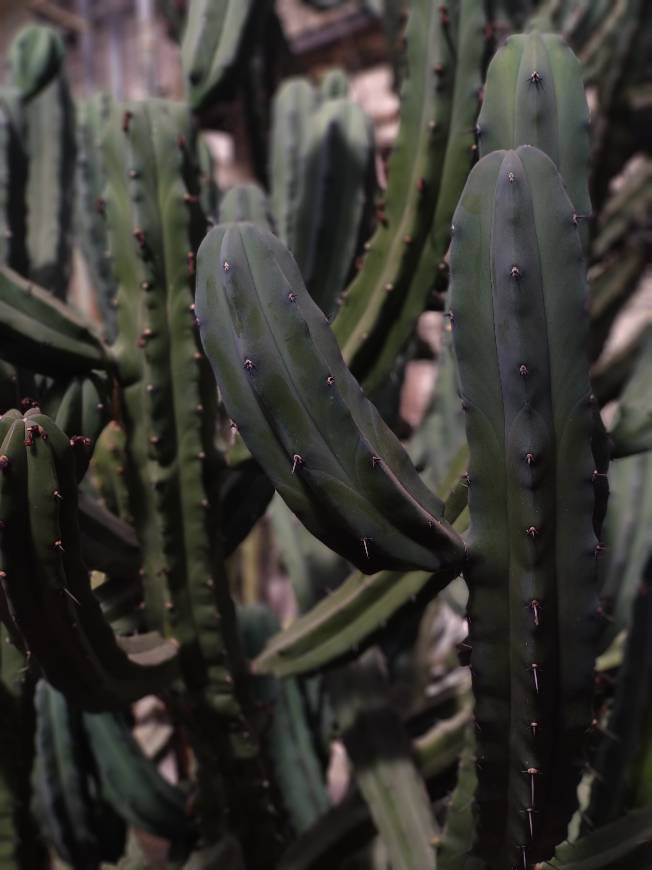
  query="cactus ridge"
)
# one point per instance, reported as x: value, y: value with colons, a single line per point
x: 534, y: 547
x: 46, y: 584
x: 269, y: 353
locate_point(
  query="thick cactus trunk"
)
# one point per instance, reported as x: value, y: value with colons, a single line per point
x: 536, y: 497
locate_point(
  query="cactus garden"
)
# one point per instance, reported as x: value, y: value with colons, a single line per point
x: 373, y: 641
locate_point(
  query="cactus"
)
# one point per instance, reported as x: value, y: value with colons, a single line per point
x: 124, y: 458
x: 308, y: 467
x: 92, y: 115
x: 215, y: 42
x: 514, y: 224
x: 68, y: 797
x: 390, y: 291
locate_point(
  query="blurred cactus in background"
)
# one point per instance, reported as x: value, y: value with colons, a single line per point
x: 211, y: 497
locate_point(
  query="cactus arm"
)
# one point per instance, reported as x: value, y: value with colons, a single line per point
x: 130, y: 781
x: 45, y: 582
x: 292, y: 110
x: 626, y: 843
x: 108, y: 544
x: 456, y: 163
x: 209, y: 191
x: 270, y: 353
x: 625, y: 739
x: 213, y: 44
x: 66, y: 801
x: 287, y: 738
x: 50, y: 121
x: 336, y: 181
x: 40, y: 332
x: 347, y: 620
x: 35, y: 57
x: 415, y: 167
x: 246, y: 202
x: 548, y: 111
x: 519, y: 340
x: 92, y: 116
x: 627, y: 540
x: 385, y: 771
x: 13, y: 179
x: 631, y: 431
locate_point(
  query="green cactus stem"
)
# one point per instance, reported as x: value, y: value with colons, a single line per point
x: 537, y: 473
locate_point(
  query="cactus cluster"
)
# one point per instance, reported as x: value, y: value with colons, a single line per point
x: 468, y: 612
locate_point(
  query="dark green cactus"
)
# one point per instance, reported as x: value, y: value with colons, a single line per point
x: 68, y: 797
x: 382, y: 303
x: 92, y: 116
x: 45, y: 583
x: 537, y: 465
x: 35, y: 58
x: 340, y: 487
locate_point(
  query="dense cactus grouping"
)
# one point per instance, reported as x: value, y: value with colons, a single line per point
x: 470, y: 607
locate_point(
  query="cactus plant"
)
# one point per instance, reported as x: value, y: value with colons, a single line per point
x: 119, y: 455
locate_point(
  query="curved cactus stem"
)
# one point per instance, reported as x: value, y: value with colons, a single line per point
x: 271, y: 348
x: 43, y: 334
x: 520, y: 330
x: 624, y: 843
x: 45, y: 582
